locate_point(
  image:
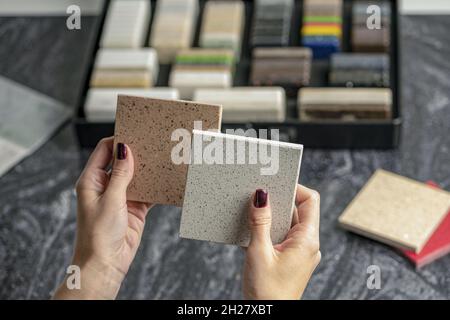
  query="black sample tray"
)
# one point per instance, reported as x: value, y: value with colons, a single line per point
x: 361, y: 134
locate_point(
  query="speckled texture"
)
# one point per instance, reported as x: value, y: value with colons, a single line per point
x: 146, y: 126
x: 38, y: 206
x: 396, y: 210
x: 217, y: 196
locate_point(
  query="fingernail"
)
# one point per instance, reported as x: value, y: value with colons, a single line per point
x: 121, y: 151
x: 260, y: 198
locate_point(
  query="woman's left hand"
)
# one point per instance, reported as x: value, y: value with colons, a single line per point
x: 109, y: 228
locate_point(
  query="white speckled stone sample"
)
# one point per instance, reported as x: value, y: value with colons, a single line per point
x: 101, y: 103
x: 146, y: 126
x: 127, y: 23
x: 217, y: 196
x: 396, y: 210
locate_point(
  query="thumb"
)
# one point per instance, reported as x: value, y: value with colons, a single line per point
x: 121, y: 173
x: 260, y: 219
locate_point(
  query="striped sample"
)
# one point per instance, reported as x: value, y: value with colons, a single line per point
x: 286, y: 67
x: 223, y: 25
x: 242, y: 104
x: 202, y: 68
x: 101, y: 103
x: 125, y: 68
x: 173, y: 27
x: 344, y: 103
x: 271, y: 22
x: 360, y: 70
x: 373, y: 39
x: 322, y: 26
x: 126, y: 24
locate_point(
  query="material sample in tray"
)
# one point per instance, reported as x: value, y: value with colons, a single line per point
x: 125, y: 68
x: 223, y: 25
x: 243, y: 104
x: 101, y: 103
x: 271, y: 22
x: 173, y: 27
x: 218, y: 193
x: 344, y: 103
x: 360, y: 70
x: 322, y: 27
x: 202, y: 68
x: 375, y: 38
x: 126, y: 24
x: 286, y: 67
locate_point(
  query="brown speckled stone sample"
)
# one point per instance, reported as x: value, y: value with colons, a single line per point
x: 217, y: 196
x: 146, y: 126
x: 396, y: 210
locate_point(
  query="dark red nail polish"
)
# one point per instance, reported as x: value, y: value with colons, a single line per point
x: 121, y: 151
x: 260, y: 198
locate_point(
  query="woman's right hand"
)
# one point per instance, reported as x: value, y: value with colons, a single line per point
x: 282, y: 271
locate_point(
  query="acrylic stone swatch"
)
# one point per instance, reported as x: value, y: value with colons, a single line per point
x: 360, y: 70
x: 126, y: 24
x: 375, y: 39
x: 218, y: 192
x: 146, y: 125
x: 202, y: 68
x: 173, y: 27
x: 271, y: 22
x: 344, y: 103
x: 322, y: 26
x: 286, y: 67
x: 223, y: 25
x: 101, y: 103
x: 242, y: 104
x: 124, y: 68
x: 397, y: 211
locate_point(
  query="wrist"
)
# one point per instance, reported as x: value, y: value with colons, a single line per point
x: 97, y: 281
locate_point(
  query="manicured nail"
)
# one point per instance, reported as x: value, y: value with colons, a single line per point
x: 121, y: 151
x: 260, y: 198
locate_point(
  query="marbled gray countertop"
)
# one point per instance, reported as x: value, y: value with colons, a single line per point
x: 37, y: 211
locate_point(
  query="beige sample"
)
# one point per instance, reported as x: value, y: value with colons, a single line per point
x: 396, y: 210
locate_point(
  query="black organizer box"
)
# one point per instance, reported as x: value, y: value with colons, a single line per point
x: 374, y: 134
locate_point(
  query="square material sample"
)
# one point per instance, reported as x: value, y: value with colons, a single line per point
x: 146, y: 126
x: 218, y: 192
x: 397, y: 211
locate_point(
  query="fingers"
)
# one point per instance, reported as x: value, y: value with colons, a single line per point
x: 308, y: 206
x: 101, y: 156
x: 260, y: 219
x: 93, y: 177
x: 121, y: 174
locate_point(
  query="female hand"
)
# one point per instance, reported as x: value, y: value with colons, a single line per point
x: 109, y: 228
x: 282, y: 271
